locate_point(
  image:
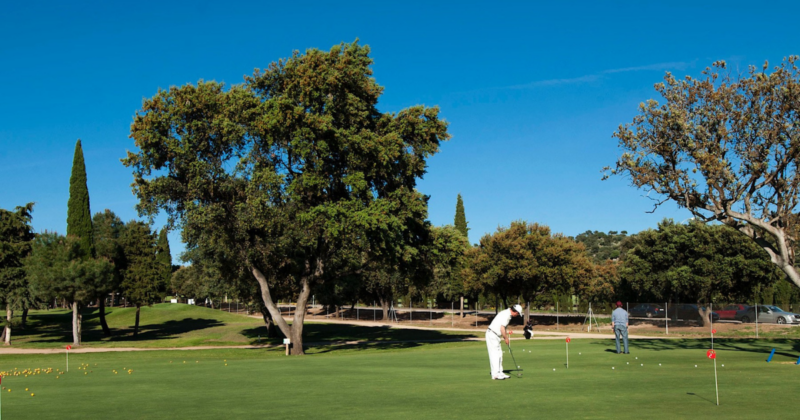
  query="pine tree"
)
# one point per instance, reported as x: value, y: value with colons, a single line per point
x: 461, y: 220
x: 79, y: 216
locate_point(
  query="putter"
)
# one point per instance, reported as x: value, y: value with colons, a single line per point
x: 517, y: 368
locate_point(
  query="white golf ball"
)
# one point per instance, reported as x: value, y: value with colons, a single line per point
x: 659, y: 364
x: 637, y: 358
x: 554, y: 369
x: 723, y: 365
x: 612, y: 367
x: 642, y: 364
x: 627, y: 363
x: 579, y: 353
x: 695, y: 365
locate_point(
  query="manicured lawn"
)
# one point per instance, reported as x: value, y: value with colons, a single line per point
x: 441, y: 380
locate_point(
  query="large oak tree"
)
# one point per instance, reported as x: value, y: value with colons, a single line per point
x: 288, y: 172
x: 725, y: 147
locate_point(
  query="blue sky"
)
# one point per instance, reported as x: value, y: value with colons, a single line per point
x: 532, y: 90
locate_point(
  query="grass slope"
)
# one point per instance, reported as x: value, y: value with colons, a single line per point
x: 443, y: 381
x: 176, y: 325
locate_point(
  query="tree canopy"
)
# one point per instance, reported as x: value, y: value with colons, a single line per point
x: 525, y: 260
x: 460, y: 220
x: 725, y: 147
x: 79, y: 215
x: 696, y: 263
x: 291, y: 174
x: 16, y: 235
x: 57, y: 269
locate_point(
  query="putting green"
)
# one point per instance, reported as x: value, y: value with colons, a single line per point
x: 444, y: 380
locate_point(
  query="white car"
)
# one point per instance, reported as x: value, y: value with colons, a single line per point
x: 768, y: 314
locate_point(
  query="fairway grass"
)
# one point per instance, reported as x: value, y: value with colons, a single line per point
x: 440, y: 380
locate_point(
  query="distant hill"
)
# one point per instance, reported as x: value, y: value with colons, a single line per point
x: 602, y: 246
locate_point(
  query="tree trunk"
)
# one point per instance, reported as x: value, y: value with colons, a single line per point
x: 136, y: 324
x: 24, y: 322
x: 113, y: 295
x: 527, y: 314
x: 102, y: 307
x: 271, y: 332
x: 295, y: 331
x: 385, y: 309
x: 9, y: 318
x: 77, y: 318
x: 461, y: 307
x: 705, y: 315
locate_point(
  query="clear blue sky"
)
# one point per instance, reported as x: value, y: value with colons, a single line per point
x: 532, y: 90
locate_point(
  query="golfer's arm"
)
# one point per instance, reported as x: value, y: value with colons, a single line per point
x: 504, y: 333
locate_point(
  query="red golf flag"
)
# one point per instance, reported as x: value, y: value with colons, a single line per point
x: 713, y: 331
x: 711, y: 354
x: 69, y: 347
x: 568, y: 340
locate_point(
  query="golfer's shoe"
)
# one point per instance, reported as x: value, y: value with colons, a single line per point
x: 505, y: 376
x: 499, y: 378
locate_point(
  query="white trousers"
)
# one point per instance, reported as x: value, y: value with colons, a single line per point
x: 495, y: 353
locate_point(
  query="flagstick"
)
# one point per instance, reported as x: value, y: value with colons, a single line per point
x: 716, y: 382
x: 1, y: 401
x: 567, y: 354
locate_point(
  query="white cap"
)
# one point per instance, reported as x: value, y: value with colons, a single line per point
x: 517, y: 309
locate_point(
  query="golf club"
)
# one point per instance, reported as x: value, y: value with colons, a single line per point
x: 516, y: 366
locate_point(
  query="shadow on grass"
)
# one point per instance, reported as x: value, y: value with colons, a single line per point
x: 330, y: 337
x: 783, y: 346
x: 57, y: 328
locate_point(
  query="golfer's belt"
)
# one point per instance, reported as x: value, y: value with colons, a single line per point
x: 492, y: 331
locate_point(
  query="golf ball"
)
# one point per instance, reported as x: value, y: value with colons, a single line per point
x: 554, y: 369
x: 659, y: 364
x: 612, y: 367
x: 695, y: 365
x: 579, y: 353
x: 723, y: 365
x: 642, y: 364
x: 637, y: 358
x: 627, y: 363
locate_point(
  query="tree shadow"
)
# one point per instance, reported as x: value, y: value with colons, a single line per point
x: 329, y: 337
x: 785, y: 347
x: 57, y: 328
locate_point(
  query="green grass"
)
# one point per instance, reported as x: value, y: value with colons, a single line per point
x: 176, y: 325
x: 441, y: 380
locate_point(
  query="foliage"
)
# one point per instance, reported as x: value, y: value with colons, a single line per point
x: 142, y: 281
x: 447, y: 255
x: 725, y: 148
x: 525, y: 260
x: 460, y: 221
x: 290, y: 176
x: 696, y: 263
x: 164, y: 258
x: 79, y: 215
x: 108, y: 229
x: 602, y: 246
x: 16, y: 235
x: 56, y: 269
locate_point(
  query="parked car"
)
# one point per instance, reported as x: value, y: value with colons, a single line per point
x: 647, y: 310
x: 688, y: 312
x: 729, y: 312
x: 768, y: 314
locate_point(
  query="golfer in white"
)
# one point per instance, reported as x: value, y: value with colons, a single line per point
x: 497, y: 331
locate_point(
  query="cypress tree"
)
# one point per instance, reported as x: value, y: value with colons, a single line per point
x: 79, y: 216
x: 461, y: 220
x: 164, y: 258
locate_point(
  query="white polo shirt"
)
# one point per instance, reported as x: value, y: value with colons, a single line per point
x: 501, y: 320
